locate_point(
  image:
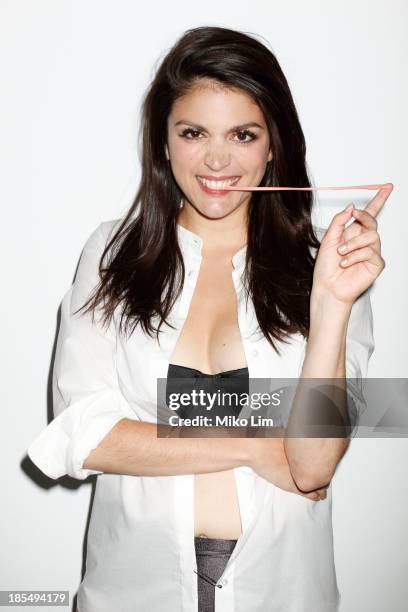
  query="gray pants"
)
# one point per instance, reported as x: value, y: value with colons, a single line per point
x: 212, y: 556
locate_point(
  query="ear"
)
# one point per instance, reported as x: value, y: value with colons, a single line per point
x: 167, y: 152
x: 270, y: 155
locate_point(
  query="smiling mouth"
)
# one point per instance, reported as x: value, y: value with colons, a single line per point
x: 214, y: 184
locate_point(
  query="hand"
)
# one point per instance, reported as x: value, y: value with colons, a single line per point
x: 269, y: 461
x: 346, y: 282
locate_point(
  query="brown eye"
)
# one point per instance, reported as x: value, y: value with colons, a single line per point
x: 195, y: 133
x: 244, y: 134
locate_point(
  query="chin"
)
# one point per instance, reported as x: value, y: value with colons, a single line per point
x: 216, y: 211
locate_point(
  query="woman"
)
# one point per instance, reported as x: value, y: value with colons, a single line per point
x: 213, y: 284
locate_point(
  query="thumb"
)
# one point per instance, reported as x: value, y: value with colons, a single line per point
x: 336, y: 227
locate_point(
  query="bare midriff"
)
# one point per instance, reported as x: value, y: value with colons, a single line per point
x: 210, y: 341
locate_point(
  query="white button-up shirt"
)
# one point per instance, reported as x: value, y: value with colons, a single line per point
x: 140, y: 550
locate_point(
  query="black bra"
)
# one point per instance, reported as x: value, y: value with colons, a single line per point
x: 182, y: 379
x: 183, y: 371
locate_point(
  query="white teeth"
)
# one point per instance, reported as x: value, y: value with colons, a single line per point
x: 217, y: 184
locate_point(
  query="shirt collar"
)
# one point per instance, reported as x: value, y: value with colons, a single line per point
x: 196, y: 243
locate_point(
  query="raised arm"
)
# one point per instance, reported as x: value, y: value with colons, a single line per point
x: 338, y: 349
x: 340, y: 340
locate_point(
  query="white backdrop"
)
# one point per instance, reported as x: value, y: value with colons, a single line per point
x: 74, y: 73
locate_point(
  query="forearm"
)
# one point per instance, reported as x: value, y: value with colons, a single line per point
x: 133, y: 448
x: 313, y: 461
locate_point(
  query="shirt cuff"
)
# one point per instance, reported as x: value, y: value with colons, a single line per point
x: 356, y: 400
x: 62, y: 447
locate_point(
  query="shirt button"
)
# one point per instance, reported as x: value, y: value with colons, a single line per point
x: 190, y: 272
x: 223, y: 582
x: 255, y: 352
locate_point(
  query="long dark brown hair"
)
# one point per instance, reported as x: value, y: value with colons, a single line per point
x: 144, y: 273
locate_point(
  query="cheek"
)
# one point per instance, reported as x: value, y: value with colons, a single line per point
x: 254, y: 161
x: 182, y: 155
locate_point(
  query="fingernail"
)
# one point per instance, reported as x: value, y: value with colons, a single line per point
x: 350, y: 206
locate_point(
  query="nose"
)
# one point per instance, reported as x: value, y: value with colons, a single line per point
x: 217, y: 156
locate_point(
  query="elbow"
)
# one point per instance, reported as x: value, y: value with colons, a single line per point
x: 310, y: 476
x: 307, y: 482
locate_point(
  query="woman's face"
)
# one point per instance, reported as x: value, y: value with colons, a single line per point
x: 219, y: 135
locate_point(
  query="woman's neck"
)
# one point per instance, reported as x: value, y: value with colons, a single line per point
x: 226, y: 235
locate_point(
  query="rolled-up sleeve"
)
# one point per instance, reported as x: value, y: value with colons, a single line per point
x: 87, y: 401
x: 359, y: 348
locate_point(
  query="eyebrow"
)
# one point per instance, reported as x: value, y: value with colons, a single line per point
x: 235, y: 128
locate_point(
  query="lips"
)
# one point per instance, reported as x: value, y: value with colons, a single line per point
x: 217, y: 187
x: 218, y: 183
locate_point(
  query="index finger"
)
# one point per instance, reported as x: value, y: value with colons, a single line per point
x: 378, y: 201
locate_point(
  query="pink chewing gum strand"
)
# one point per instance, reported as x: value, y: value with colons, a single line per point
x: 250, y: 188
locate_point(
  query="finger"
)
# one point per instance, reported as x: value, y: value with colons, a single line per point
x: 336, y: 228
x: 353, y: 229
x: 365, y: 254
x: 314, y: 495
x: 365, y: 219
x: 378, y: 201
x: 322, y: 493
x: 370, y: 237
